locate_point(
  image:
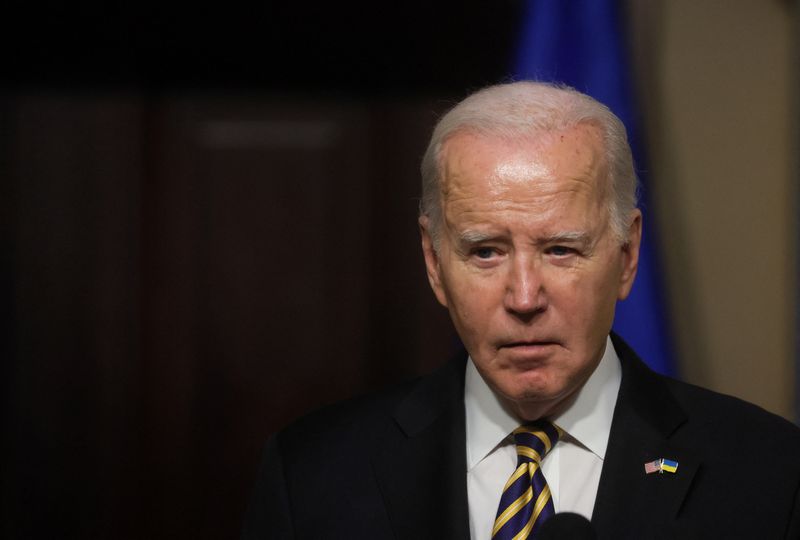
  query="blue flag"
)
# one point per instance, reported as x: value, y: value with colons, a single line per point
x: 581, y: 43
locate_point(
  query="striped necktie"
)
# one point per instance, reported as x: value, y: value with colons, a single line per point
x: 526, y: 502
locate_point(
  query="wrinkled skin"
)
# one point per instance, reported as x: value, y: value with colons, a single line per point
x: 528, y: 264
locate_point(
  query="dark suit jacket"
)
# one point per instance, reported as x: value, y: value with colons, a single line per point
x: 394, y: 466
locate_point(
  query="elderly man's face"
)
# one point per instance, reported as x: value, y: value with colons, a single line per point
x: 528, y: 265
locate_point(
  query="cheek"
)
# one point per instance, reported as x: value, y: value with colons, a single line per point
x: 470, y: 308
x: 473, y: 302
x: 584, y: 298
x: 597, y: 307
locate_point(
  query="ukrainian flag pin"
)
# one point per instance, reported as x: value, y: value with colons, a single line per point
x: 661, y: 465
x: 669, y: 465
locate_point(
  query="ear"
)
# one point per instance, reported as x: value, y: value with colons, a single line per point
x: 630, y: 255
x: 431, y: 260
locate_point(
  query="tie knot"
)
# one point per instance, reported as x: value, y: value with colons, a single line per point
x: 534, y: 440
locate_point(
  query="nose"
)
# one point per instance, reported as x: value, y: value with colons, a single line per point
x: 525, y: 293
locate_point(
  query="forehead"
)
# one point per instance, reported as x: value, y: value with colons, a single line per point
x: 488, y: 166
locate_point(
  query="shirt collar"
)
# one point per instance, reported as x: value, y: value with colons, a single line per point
x: 586, y: 421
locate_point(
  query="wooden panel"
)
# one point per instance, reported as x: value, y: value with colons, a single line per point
x: 282, y: 272
x: 190, y: 275
x: 71, y: 430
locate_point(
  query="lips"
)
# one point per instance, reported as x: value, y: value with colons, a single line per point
x: 526, y: 355
x: 526, y: 344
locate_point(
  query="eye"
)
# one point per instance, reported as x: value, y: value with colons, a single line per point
x: 560, y: 251
x: 484, y: 252
x: 486, y: 256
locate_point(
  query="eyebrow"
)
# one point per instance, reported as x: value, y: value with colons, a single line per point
x: 567, y: 236
x: 476, y: 237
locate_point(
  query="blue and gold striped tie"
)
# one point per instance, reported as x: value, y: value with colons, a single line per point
x: 526, y: 502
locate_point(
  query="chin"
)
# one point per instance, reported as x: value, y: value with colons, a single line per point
x: 535, y: 397
x: 530, y: 391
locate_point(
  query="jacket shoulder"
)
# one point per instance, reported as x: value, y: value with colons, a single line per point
x: 729, y: 419
x: 354, y: 417
x: 379, y: 418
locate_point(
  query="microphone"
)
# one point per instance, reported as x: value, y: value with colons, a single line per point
x: 567, y: 526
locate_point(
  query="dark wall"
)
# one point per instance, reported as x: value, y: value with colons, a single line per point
x: 346, y: 47
x: 190, y: 275
x: 209, y: 228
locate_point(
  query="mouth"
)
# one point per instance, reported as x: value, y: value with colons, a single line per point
x: 528, y: 353
x: 527, y: 344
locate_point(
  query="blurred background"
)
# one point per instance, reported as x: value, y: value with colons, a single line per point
x: 208, y: 221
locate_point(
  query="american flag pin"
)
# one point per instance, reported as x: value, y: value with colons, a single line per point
x: 652, y: 467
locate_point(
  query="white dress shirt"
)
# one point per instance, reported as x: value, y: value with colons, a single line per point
x: 572, y: 468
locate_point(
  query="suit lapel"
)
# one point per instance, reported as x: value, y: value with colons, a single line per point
x: 421, y: 469
x: 631, y: 503
x: 422, y: 472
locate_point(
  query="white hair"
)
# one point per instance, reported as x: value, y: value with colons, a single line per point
x: 525, y: 109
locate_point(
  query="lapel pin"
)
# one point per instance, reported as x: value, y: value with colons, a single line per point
x: 652, y: 466
x: 661, y: 465
x: 669, y: 465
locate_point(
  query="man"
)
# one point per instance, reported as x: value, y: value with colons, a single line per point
x: 530, y: 234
